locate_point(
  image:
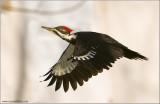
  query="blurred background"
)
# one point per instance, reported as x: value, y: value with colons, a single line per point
x: 28, y: 51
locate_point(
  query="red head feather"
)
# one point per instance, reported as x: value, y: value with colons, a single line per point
x: 66, y: 28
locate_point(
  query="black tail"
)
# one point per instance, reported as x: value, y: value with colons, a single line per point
x: 133, y: 55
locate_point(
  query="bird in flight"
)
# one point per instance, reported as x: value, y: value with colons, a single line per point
x: 87, y: 54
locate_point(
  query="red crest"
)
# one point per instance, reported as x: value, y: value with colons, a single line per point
x: 66, y: 28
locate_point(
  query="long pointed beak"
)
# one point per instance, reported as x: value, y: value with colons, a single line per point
x: 47, y: 28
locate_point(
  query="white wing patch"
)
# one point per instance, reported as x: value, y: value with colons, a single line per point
x: 63, y: 66
x: 87, y: 56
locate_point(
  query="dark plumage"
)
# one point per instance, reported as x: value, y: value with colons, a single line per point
x: 87, y: 55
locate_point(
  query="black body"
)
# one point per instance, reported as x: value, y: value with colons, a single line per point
x: 89, y: 54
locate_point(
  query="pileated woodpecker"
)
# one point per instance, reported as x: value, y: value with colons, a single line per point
x: 87, y: 55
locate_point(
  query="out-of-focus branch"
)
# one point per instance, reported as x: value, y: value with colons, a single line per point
x: 40, y: 12
x: 5, y: 3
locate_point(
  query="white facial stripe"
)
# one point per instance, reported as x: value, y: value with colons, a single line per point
x: 59, y: 33
x: 66, y: 36
x: 71, y: 36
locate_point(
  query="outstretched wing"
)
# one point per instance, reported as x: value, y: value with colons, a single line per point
x: 59, y: 72
x: 67, y: 72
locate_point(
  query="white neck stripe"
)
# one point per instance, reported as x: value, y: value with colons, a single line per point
x: 66, y: 36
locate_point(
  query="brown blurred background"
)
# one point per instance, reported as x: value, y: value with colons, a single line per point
x: 28, y: 51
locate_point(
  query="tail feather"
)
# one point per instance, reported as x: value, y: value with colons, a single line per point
x: 133, y: 55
